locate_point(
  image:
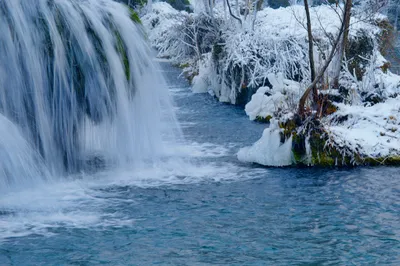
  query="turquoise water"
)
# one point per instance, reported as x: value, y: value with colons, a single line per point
x: 201, y: 206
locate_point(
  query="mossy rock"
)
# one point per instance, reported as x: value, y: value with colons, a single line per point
x: 389, y: 161
x: 322, y: 155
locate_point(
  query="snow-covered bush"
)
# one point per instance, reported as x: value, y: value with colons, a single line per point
x: 243, y: 56
x: 161, y: 25
x: 375, y: 85
x: 247, y: 58
x: 183, y: 37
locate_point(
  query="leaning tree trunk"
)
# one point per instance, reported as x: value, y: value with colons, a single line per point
x: 343, y: 44
x: 231, y: 13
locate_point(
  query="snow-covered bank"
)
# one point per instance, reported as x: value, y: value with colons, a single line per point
x: 353, y: 135
x: 264, y: 66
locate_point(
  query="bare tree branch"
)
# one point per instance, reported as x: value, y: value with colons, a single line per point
x: 230, y: 12
x: 321, y: 72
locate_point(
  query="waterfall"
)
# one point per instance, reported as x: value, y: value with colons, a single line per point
x: 77, y: 85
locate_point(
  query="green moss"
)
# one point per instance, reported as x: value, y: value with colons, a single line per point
x: 298, y: 157
x: 299, y: 150
x: 183, y: 66
x: 121, y: 49
x: 289, y: 128
x: 263, y: 119
x: 393, y: 161
x: 322, y: 159
x: 134, y: 16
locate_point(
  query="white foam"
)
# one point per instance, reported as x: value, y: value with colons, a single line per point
x: 80, y: 201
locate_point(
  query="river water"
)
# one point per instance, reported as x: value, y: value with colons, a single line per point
x: 201, y: 206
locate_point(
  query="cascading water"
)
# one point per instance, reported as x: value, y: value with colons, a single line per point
x: 77, y: 81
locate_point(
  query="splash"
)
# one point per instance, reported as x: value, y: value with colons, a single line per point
x: 77, y: 87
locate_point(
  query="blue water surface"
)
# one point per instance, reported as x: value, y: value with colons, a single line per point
x: 221, y: 212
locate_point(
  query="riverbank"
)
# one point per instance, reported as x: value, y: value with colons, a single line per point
x: 266, y: 70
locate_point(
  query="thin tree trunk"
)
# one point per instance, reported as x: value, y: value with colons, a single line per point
x: 311, y: 49
x: 343, y: 45
x: 256, y: 5
x: 211, y: 4
x: 247, y: 9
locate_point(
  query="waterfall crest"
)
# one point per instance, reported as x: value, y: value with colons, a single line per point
x: 77, y: 81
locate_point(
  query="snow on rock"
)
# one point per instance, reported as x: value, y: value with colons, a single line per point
x: 200, y: 83
x: 369, y: 131
x: 268, y: 150
x: 282, y: 97
x: 262, y: 105
x: 388, y: 82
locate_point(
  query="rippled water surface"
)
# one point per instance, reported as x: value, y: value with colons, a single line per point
x: 201, y: 206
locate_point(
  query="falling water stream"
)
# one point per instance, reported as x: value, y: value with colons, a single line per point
x: 78, y: 87
x: 95, y: 169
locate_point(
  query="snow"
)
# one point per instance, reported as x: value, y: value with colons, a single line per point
x: 375, y: 81
x: 281, y: 98
x: 278, y: 44
x: 370, y: 131
x: 262, y: 105
x: 200, y: 83
x: 159, y: 25
x: 268, y: 150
